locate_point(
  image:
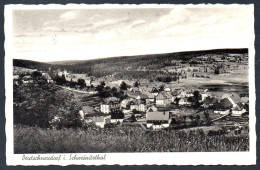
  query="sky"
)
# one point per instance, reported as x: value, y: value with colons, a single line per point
x: 82, y: 34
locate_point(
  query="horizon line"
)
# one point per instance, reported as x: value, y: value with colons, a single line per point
x: 50, y: 62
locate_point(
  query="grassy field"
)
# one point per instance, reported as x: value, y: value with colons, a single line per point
x: 121, y: 139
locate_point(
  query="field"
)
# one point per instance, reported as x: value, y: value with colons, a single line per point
x: 122, y: 139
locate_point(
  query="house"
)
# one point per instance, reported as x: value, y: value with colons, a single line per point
x: 27, y: 79
x: 86, y: 110
x: 155, y: 91
x: 125, y: 103
x: 138, y: 105
x: 234, y: 98
x: 222, y: 111
x: 238, y: 110
x: 163, y: 99
x: 209, y: 102
x: 181, y: 93
x: 184, y: 101
x: 223, y: 107
x: 244, y: 100
x: 114, y: 99
x: 167, y: 89
x: 151, y: 98
x: 157, y: 119
x: 174, y: 95
x: 101, y: 120
x: 47, y: 77
x: 117, y: 116
x: 107, y: 106
x: 65, y: 73
x: 138, y: 95
x: 133, y: 95
x: 203, y: 96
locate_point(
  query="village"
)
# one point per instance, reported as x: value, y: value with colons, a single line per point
x: 109, y: 102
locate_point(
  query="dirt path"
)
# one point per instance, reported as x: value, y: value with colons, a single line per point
x: 219, y: 117
x: 74, y: 90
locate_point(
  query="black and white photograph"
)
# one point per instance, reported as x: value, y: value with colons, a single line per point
x: 130, y: 84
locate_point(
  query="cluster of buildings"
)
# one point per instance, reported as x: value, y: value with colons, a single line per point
x: 232, y: 104
x: 25, y: 76
x: 155, y: 106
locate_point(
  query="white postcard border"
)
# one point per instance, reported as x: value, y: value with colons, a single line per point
x: 175, y: 158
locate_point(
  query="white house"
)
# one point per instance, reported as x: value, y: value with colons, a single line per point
x: 105, y: 108
x: 101, y: 121
x: 238, y: 110
x: 157, y: 119
x: 222, y: 112
x: 233, y: 98
x: 163, y: 99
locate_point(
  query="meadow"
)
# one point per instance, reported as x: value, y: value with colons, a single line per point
x: 121, y: 139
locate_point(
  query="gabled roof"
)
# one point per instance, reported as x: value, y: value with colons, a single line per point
x: 163, y: 95
x: 210, y: 100
x: 236, y: 98
x: 160, y: 116
x: 125, y: 101
x: 152, y: 109
x: 175, y: 93
x: 245, y: 99
x: 136, y: 102
x: 100, y: 118
x: 46, y: 76
x: 225, y: 103
x: 108, y: 99
x: 88, y: 110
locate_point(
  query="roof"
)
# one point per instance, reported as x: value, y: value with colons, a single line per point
x: 163, y: 95
x: 100, y: 118
x: 175, y: 93
x: 136, y: 102
x: 157, y: 116
x: 88, y: 110
x: 114, y: 99
x: 125, y: 101
x: 236, y: 98
x: 46, y: 76
x: 209, y: 100
x: 245, y: 99
x: 152, y: 109
x: 225, y: 103
x: 135, y: 95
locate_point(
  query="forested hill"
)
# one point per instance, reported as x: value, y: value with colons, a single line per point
x: 107, y: 66
x: 31, y: 64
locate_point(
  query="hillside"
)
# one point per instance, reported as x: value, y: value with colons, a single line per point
x: 108, y: 66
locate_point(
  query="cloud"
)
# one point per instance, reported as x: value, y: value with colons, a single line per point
x: 137, y: 23
x: 97, y: 34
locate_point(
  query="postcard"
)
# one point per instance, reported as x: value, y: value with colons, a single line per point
x: 126, y: 84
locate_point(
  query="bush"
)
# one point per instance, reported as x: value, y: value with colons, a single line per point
x: 45, y: 105
x: 121, y: 139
